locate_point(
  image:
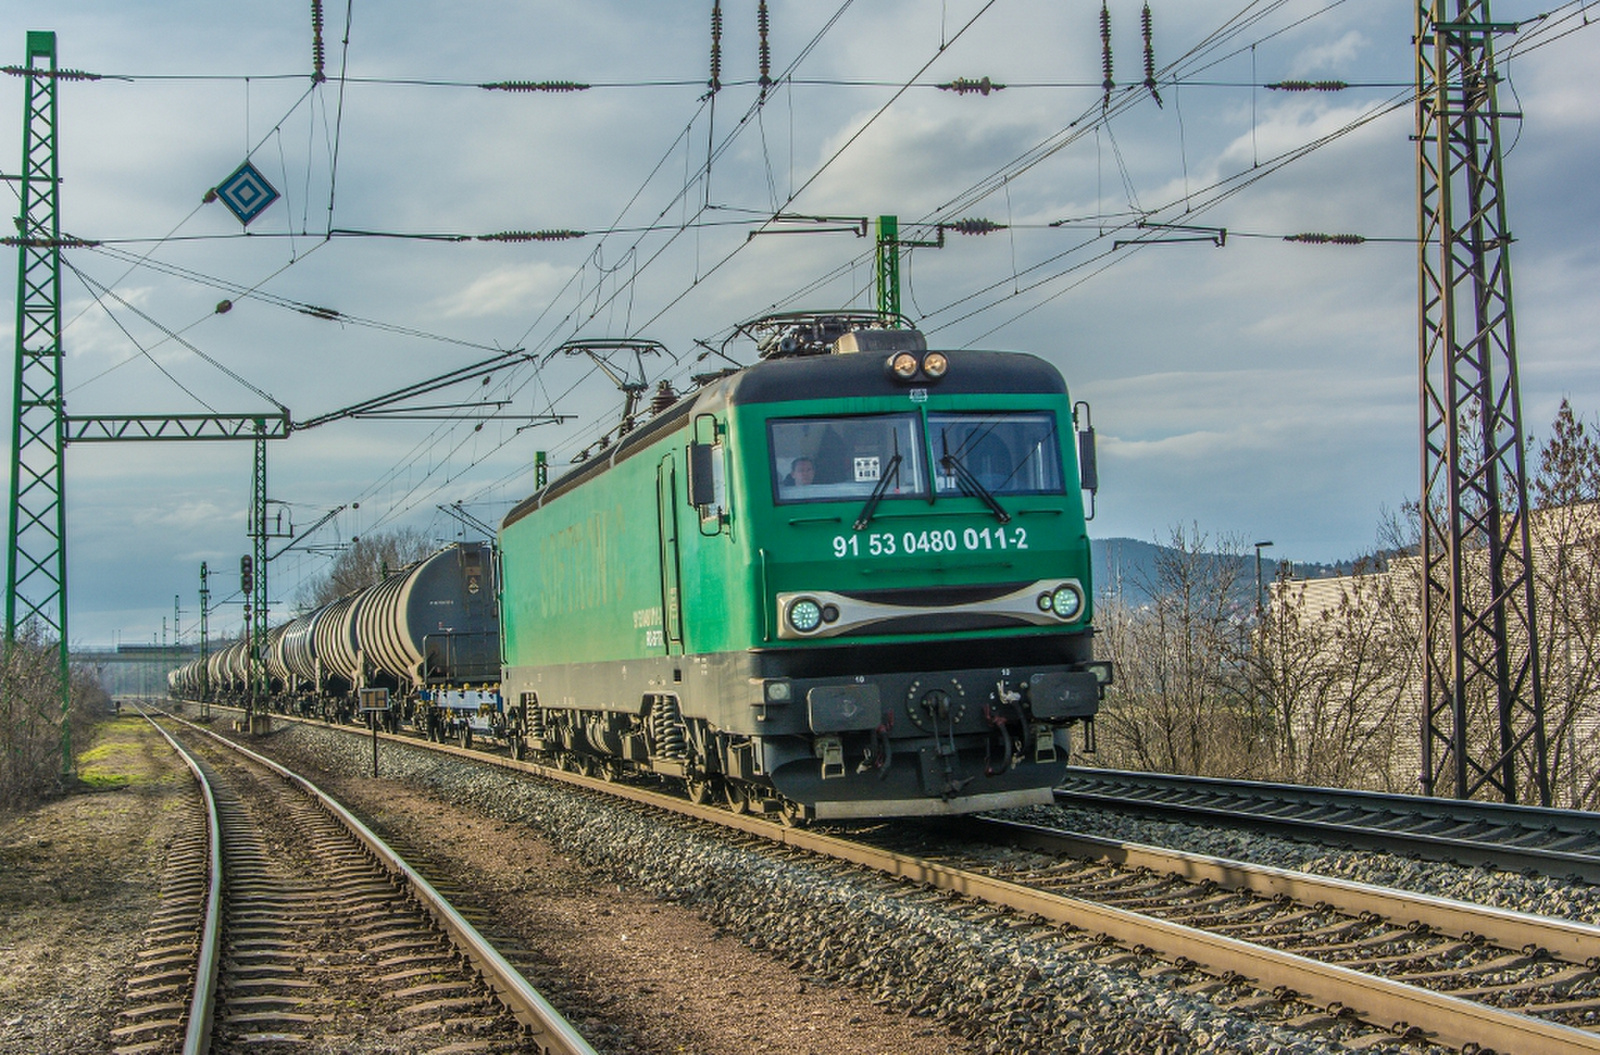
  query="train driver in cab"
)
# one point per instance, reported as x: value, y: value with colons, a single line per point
x: 802, y: 473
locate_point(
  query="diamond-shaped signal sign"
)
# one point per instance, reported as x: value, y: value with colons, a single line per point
x: 246, y: 193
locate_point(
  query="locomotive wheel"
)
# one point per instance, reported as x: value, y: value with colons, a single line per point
x: 738, y: 800
x: 699, y: 791
x: 610, y: 772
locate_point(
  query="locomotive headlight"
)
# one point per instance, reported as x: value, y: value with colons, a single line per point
x: 805, y: 615
x: 934, y: 364
x: 1067, y: 601
x: 903, y: 365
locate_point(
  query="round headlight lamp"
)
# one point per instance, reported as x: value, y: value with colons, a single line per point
x: 934, y: 364
x: 903, y: 365
x: 1067, y: 601
x: 805, y: 615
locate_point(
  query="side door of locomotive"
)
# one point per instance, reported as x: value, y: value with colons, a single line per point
x: 667, y: 533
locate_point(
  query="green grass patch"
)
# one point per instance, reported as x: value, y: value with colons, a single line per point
x: 119, y: 758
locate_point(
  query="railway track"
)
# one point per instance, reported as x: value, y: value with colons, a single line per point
x: 1564, y: 843
x: 289, y: 923
x: 1410, y: 966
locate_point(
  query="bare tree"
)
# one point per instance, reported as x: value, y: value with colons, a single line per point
x: 30, y: 716
x: 365, y: 562
x: 1334, y: 662
x: 1179, y: 704
x: 1566, y: 532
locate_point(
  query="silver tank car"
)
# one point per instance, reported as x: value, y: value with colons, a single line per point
x: 436, y: 623
x: 336, y: 643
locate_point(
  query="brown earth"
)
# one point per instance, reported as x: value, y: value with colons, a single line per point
x: 79, y: 879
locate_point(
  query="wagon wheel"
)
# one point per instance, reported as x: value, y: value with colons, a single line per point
x: 609, y: 772
x: 585, y: 765
x: 793, y: 815
x: 735, y: 795
x: 699, y: 790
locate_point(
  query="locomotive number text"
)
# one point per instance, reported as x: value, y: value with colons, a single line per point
x: 888, y: 544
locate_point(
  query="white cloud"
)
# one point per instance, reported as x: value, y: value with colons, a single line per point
x: 505, y: 291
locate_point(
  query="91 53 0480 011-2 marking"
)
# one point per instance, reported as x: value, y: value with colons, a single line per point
x: 909, y: 543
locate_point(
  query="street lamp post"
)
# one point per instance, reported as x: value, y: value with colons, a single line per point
x: 1259, y: 547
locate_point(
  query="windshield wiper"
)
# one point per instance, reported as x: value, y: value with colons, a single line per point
x: 892, y: 472
x: 975, y: 486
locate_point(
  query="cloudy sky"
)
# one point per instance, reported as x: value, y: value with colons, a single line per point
x: 1260, y: 390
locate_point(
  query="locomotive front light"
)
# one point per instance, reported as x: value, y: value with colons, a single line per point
x: 1046, y: 602
x: 934, y: 364
x: 1067, y: 601
x: 903, y: 365
x: 778, y: 691
x: 805, y: 615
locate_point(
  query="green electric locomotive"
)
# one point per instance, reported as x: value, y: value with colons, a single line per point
x: 851, y: 580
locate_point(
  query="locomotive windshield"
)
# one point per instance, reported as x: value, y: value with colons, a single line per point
x: 1008, y: 454
x: 830, y: 459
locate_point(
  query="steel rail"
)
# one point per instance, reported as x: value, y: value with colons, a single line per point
x: 1405, y: 1009
x: 1565, y: 939
x: 1269, y: 807
x: 553, y: 1034
x: 197, y: 1031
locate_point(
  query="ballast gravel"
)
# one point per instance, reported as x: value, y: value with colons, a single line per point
x: 1480, y: 885
x: 1006, y: 985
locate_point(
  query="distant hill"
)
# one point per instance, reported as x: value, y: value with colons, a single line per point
x: 1130, y: 567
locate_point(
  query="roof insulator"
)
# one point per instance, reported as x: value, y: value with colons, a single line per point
x: 534, y: 86
x: 664, y: 397
x: 1313, y: 238
x: 1309, y: 86
x: 973, y: 226
x: 963, y: 86
x: 532, y: 236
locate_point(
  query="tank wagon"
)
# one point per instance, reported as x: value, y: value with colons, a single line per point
x: 850, y: 580
x: 428, y: 633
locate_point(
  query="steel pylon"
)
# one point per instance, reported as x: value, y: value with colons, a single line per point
x: 36, y: 553
x: 1483, y: 720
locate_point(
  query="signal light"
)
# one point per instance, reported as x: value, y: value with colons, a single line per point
x: 247, y: 576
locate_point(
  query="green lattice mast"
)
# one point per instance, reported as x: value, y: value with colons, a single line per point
x: 36, y: 551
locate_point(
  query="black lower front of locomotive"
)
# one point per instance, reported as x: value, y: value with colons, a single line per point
x: 923, y: 728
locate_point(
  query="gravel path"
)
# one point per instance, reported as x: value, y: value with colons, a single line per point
x: 1005, y: 985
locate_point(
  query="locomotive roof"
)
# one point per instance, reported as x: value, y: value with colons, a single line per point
x: 863, y: 374
x: 815, y: 377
